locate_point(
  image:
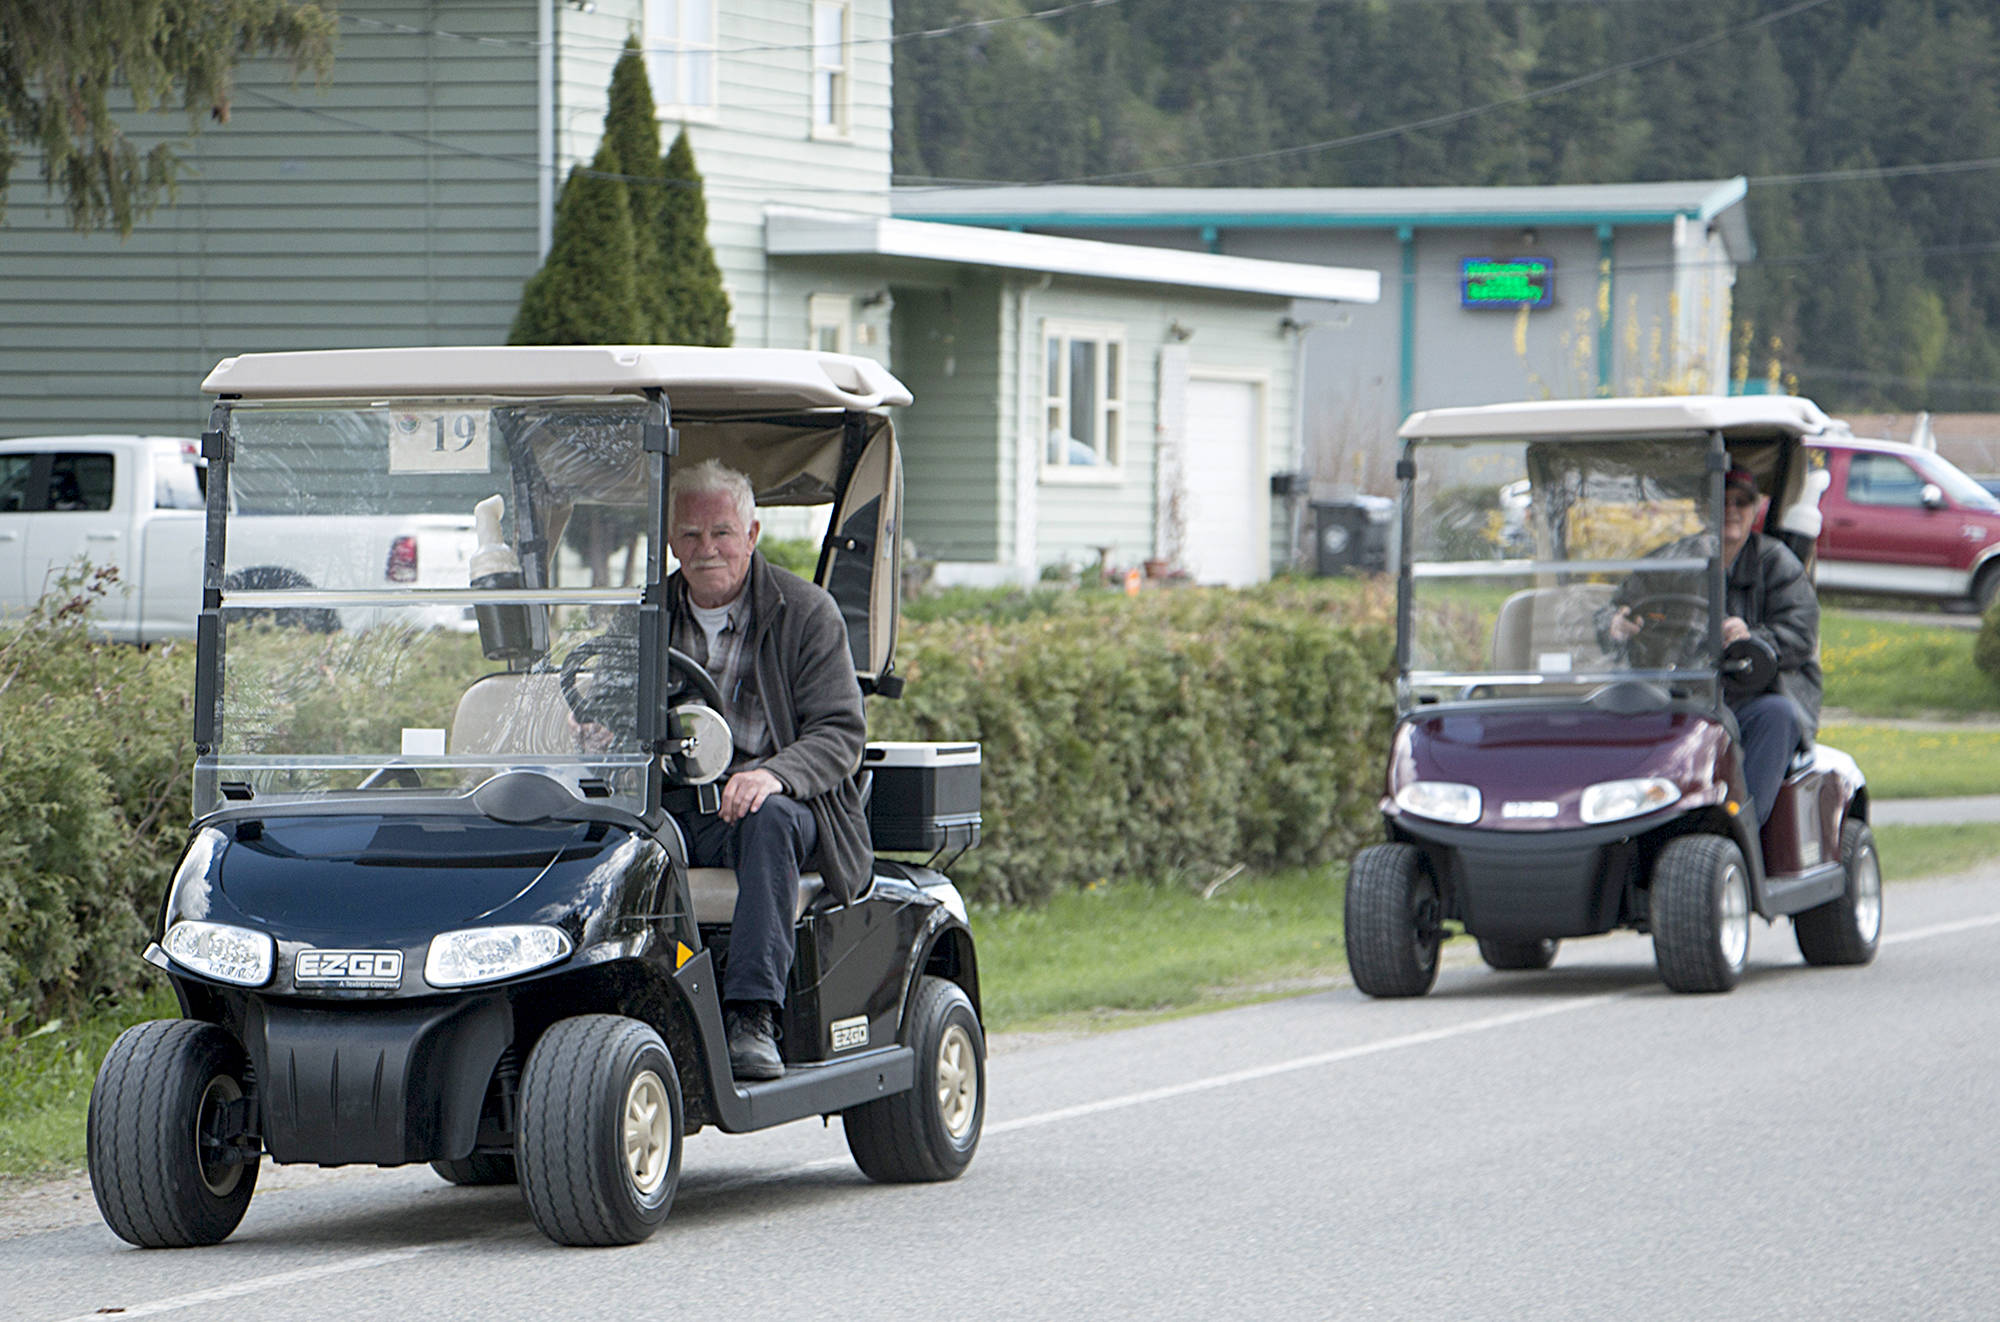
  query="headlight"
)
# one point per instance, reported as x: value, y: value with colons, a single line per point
x: 230, y: 954
x: 1441, y: 799
x: 481, y: 954
x: 1615, y: 800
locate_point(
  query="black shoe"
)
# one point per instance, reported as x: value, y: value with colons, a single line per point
x: 753, y: 1041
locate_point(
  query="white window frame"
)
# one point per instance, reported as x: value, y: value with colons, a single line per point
x: 830, y: 313
x: 1107, y: 428
x: 832, y: 70
x: 674, y: 59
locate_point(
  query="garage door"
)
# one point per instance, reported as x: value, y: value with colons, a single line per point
x: 1227, y: 540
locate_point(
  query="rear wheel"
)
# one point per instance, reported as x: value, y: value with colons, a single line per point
x: 168, y: 1162
x: 479, y: 1168
x: 1393, y: 916
x: 1701, y: 914
x: 930, y: 1132
x: 1518, y: 954
x: 1847, y: 930
x: 599, y: 1148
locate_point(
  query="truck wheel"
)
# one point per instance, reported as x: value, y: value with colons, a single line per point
x: 1518, y: 954
x: 1393, y: 922
x: 930, y: 1132
x: 1847, y: 930
x: 1985, y: 588
x: 277, y: 578
x: 599, y: 1147
x: 1701, y: 914
x: 166, y: 1164
x: 479, y: 1168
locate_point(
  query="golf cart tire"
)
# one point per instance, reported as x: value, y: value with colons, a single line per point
x: 1518, y: 955
x: 1701, y: 896
x: 159, y: 1087
x: 929, y: 1132
x: 1393, y: 933
x: 597, y: 1166
x: 481, y: 1168
x: 1844, y: 931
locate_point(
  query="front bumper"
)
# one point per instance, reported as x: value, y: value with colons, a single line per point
x: 1526, y: 885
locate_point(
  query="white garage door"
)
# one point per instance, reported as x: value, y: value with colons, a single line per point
x: 1226, y: 540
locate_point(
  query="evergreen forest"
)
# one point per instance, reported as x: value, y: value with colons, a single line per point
x: 1869, y: 131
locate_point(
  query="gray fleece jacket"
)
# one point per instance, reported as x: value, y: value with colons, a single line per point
x: 805, y: 676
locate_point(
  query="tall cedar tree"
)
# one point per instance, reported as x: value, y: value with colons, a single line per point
x: 587, y: 289
x: 697, y: 304
x: 632, y: 128
x: 59, y: 62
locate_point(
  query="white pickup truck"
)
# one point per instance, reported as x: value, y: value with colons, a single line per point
x: 139, y: 503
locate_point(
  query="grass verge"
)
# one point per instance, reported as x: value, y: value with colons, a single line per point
x: 1882, y: 667
x: 1903, y: 763
x: 45, y: 1079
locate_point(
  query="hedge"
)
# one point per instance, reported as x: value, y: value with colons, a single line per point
x: 1168, y: 736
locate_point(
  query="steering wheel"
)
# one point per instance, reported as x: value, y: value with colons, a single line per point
x: 613, y: 687
x: 1673, y: 630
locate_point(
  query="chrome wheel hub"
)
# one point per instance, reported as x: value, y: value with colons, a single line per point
x: 1733, y: 927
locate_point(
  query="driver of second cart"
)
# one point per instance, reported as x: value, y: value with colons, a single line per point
x: 1767, y: 595
x: 777, y: 649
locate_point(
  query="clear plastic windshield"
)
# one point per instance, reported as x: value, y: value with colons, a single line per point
x: 1541, y: 567
x: 417, y: 596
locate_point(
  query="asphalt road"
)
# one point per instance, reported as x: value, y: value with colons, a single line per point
x: 1571, y: 1144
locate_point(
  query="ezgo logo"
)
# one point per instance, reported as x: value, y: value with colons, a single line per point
x: 373, y: 968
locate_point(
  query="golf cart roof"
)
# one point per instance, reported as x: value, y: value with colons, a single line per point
x: 696, y: 380
x: 1556, y: 419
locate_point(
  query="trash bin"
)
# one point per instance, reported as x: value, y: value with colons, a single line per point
x: 1351, y: 535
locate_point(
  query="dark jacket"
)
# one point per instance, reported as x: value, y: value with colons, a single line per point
x: 805, y: 677
x: 1767, y: 589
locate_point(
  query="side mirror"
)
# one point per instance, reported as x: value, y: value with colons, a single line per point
x: 699, y: 745
x: 1933, y: 496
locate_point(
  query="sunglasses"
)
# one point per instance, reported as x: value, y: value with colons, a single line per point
x: 1737, y: 502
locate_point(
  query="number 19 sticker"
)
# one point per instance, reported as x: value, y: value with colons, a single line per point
x: 438, y: 442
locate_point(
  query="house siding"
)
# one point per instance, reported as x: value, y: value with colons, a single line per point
x: 950, y: 437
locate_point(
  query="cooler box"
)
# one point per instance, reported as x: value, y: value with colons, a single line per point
x: 925, y: 796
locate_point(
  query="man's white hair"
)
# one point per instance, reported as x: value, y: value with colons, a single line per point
x: 712, y: 475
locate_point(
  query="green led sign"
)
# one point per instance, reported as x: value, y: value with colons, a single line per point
x: 1510, y: 283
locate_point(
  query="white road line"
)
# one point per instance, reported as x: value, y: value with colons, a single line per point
x: 259, y: 1284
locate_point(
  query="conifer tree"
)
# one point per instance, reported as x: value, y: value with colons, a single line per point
x: 697, y: 305
x: 586, y: 291
x: 632, y: 127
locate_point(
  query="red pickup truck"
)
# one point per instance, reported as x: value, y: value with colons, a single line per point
x: 1901, y: 520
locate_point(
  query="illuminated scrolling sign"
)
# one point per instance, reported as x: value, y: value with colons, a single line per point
x: 1506, y: 282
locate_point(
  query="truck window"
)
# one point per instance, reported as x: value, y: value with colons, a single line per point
x: 80, y: 482
x: 14, y: 470
x: 1883, y: 479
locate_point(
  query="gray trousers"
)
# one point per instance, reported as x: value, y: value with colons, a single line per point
x: 768, y: 849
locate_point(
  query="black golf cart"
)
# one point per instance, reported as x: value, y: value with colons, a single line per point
x: 1550, y: 780
x: 436, y: 907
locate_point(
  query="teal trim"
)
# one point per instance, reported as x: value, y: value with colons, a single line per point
x: 1606, y: 305
x: 1406, y: 236
x: 1211, y: 238
x: 1205, y: 221
x: 1723, y: 198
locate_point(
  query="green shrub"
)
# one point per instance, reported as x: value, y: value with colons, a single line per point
x: 1169, y: 735
x: 1986, y: 647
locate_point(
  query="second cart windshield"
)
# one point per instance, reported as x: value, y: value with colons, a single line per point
x: 1545, y: 566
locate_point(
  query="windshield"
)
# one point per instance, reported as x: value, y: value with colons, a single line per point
x: 1524, y: 552
x: 418, y: 595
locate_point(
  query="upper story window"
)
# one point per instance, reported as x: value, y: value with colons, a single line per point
x: 830, y: 322
x: 680, y: 53
x: 1084, y: 397
x: 833, y: 29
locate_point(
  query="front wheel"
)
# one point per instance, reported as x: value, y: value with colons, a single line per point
x: 1847, y: 930
x: 1514, y: 955
x: 599, y: 1147
x: 1701, y: 914
x: 1393, y: 922
x: 169, y: 1162
x: 930, y: 1132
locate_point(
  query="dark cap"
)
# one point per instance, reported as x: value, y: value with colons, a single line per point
x: 1741, y: 477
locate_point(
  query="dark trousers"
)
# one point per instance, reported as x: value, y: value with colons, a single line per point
x: 1771, y: 727
x: 768, y: 849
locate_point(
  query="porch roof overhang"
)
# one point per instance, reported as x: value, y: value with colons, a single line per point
x: 795, y: 232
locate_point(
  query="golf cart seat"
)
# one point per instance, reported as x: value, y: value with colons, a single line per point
x: 1536, y: 622
x: 714, y: 892
x: 512, y: 712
